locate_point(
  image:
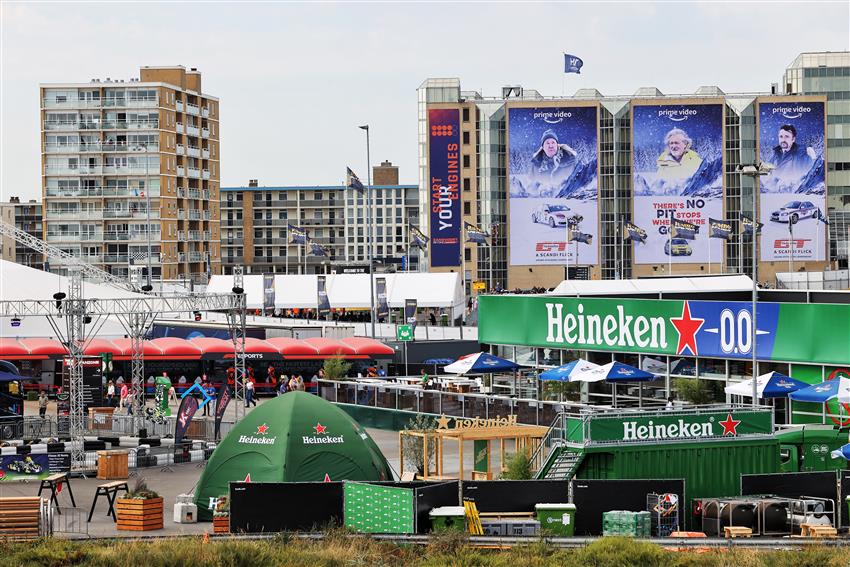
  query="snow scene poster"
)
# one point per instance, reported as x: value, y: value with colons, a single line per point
x: 678, y: 173
x: 792, y: 199
x: 553, y: 173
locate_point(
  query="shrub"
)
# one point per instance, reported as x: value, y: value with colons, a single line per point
x: 693, y: 390
x: 336, y: 368
x: 517, y: 466
x: 141, y: 491
x: 412, y: 447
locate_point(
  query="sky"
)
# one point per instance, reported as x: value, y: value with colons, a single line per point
x: 295, y: 80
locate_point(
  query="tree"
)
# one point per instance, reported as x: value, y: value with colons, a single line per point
x: 413, y: 447
x: 694, y: 390
x: 336, y: 368
x: 517, y: 466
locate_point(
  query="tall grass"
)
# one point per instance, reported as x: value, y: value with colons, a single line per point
x: 339, y: 549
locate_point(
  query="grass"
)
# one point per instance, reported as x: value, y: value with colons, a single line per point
x: 338, y: 549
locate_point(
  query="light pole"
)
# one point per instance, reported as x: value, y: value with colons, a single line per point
x: 755, y: 171
x: 369, y: 242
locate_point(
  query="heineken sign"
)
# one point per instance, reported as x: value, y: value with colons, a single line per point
x: 811, y: 333
x: 672, y: 427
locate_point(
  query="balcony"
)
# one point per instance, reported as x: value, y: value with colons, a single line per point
x: 207, y: 215
x: 194, y: 214
x: 53, y: 103
x: 193, y: 130
x: 143, y: 235
x: 181, y: 214
x: 205, y: 194
x: 121, y: 102
x: 196, y: 257
x: 137, y: 169
x: 194, y: 194
x: 206, y: 235
x: 179, y: 128
x: 205, y: 133
x: 181, y: 257
x: 179, y: 106
x: 181, y: 236
x: 181, y: 192
x: 206, y: 174
x: 56, y: 125
x: 181, y: 171
x: 63, y: 236
x: 194, y: 235
x: 193, y: 109
x: 194, y: 152
x: 116, y: 258
x: 110, y: 146
x: 206, y: 112
x: 205, y: 153
x: 123, y: 125
x: 74, y: 215
x: 181, y: 150
x: 129, y: 214
x: 194, y: 172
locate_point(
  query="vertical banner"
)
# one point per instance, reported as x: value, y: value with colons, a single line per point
x: 268, y: 291
x: 410, y: 312
x: 221, y: 401
x: 187, y: 410
x: 553, y: 175
x: 678, y: 170
x: 324, y: 305
x: 383, y: 309
x: 444, y: 167
x: 793, y: 197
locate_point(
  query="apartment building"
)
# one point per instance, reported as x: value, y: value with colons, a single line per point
x: 255, y: 221
x: 25, y: 216
x: 131, y: 172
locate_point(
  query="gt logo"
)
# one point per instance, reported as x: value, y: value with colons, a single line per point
x: 789, y: 243
x: 551, y: 246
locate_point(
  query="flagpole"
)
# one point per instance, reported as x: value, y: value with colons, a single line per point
x: 791, y: 246
x: 709, y: 247
x: 567, y: 248
x: 670, y: 243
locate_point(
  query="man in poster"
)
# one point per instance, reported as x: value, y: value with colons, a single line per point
x: 788, y: 156
x: 552, y: 163
x: 678, y: 161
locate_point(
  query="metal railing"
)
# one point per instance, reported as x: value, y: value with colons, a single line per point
x: 70, y: 521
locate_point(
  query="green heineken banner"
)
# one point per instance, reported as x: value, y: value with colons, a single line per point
x: 662, y: 427
x: 482, y: 456
x: 811, y: 333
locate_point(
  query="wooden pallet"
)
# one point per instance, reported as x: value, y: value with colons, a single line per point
x: 221, y: 524
x: 732, y: 532
x: 818, y: 531
x: 20, y: 518
x: 139, y: 515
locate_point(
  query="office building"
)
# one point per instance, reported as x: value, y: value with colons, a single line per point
x: 132, y: 167
x: 27, y: 217
x: 255, y: 221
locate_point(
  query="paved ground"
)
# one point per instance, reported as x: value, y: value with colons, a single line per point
x: 181, y: 479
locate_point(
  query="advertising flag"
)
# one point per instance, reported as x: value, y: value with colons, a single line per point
x: 475, y: 234
x: 578, y: 236
x: 268, y: 291
x: 677, y: 151
x: 822, y: 218
x: 221, y: 401
x: 418, y: 239
x: 382, y: 308
x: 552, y: 176
x: 791, y: 139
x: 352, y: 181
x: 686, y: 230
x: 316, y: 249
x: 297, y: 235
x: 719, y: 229
x: 444, y: 186
x: 187, y: 410
x: 324, y: 304
x: 634, y: 233
x: 410, y: 312
x: 747, y: 225
x: 572, y: 64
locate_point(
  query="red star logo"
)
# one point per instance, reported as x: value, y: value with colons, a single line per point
x: 327, y: 478
x: 730, y: 426
x: 319, y: 428
x: 687, y: 328
x: 262, y: 429
x: 247, y: 478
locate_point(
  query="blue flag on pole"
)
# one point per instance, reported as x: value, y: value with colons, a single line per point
x: 352, y: 181
x: 297, y: 235
x: 719, y: 229
x: 572, y: 64
x: 475, y: 234
x: 418, y: 239
x: 634, y: 233
x: 821, y: 217
x: 316, y: 249
x: 747, y: 225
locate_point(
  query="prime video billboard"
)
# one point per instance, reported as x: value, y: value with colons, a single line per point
x: 678, y: 170
x: 793, y: 195
x: 444, y: 186
x: 553, y: 185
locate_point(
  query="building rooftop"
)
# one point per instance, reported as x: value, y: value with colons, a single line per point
x: 310, y: 187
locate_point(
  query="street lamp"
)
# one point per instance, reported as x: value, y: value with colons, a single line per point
x: 369, y: 242
x: 756, y: 172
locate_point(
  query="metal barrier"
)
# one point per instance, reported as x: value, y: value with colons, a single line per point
x: 71, y: 521
x: 53, y: 427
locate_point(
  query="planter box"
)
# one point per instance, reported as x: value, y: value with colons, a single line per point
x: 221, y: 524
x: 139, y: 515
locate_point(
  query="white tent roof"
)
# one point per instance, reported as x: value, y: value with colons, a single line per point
x: 655, y: 285
x: 351, y: 291
x: 18, y: 282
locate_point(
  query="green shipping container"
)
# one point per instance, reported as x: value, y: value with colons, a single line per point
x: 559, y: 519
x: 448, y: 518
x: 709, y: 469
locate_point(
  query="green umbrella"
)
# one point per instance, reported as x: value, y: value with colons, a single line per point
x: 297, y: 437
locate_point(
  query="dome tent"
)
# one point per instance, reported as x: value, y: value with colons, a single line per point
x: 297, y: 437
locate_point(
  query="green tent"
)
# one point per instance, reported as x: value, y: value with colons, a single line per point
x: 297, y: 437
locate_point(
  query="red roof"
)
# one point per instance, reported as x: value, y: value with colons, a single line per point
x: 287, y: 346
x: 330, y: 347
x: 10, y: 348
x: 126, y: 346
x: 365, y: 345
x: 212, y: 345
x: 44, y: 346
x: 174, y: 348
x: 96, y: 346
x: 258, y: 345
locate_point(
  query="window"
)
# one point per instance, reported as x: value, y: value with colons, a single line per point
x: 466, y: 160
x: 467, y: 253
x: 467, y: 210
x: 466, y: 117
x: 466, y: 138
x: 467, y: 184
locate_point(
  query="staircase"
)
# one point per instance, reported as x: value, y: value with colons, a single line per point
x: 562, y: 464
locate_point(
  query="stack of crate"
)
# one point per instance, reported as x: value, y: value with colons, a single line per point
x: 626, y: 523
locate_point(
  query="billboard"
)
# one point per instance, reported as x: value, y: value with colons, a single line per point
x: 677, y: 152
x: 323, y: 304
x: 553, y: 175
x: 268, y: 291
x: 444, y: 168
x: 793, y: 196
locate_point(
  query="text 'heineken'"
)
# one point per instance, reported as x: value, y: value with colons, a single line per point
x: 632, y: 431
x: 613, y: 330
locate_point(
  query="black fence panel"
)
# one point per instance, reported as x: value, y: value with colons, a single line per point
x: 433, y: 496
x: 515, y: 495
x: 257, y: 507
x: 594, y: 497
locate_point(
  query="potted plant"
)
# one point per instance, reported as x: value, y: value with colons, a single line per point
x: 221, y: 515
x: 141, y: 509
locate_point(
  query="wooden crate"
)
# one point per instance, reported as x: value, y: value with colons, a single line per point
x: 20, y: 518
x: 139, y: 515
x: 113, y: 465
x: 221, y: 524
x: 101, y: 418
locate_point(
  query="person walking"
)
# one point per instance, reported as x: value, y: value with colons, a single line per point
x: 210, y: 391
x: 42, y: 404
x: 110, y: 394
x: 124, y: 392
x: 249, y: 393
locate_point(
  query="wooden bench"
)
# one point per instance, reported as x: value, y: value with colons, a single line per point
x: 54, y: 482
x: 732, y: 532
x: 110, y: 490
x: 818, y: 530
x: 20, y: 518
